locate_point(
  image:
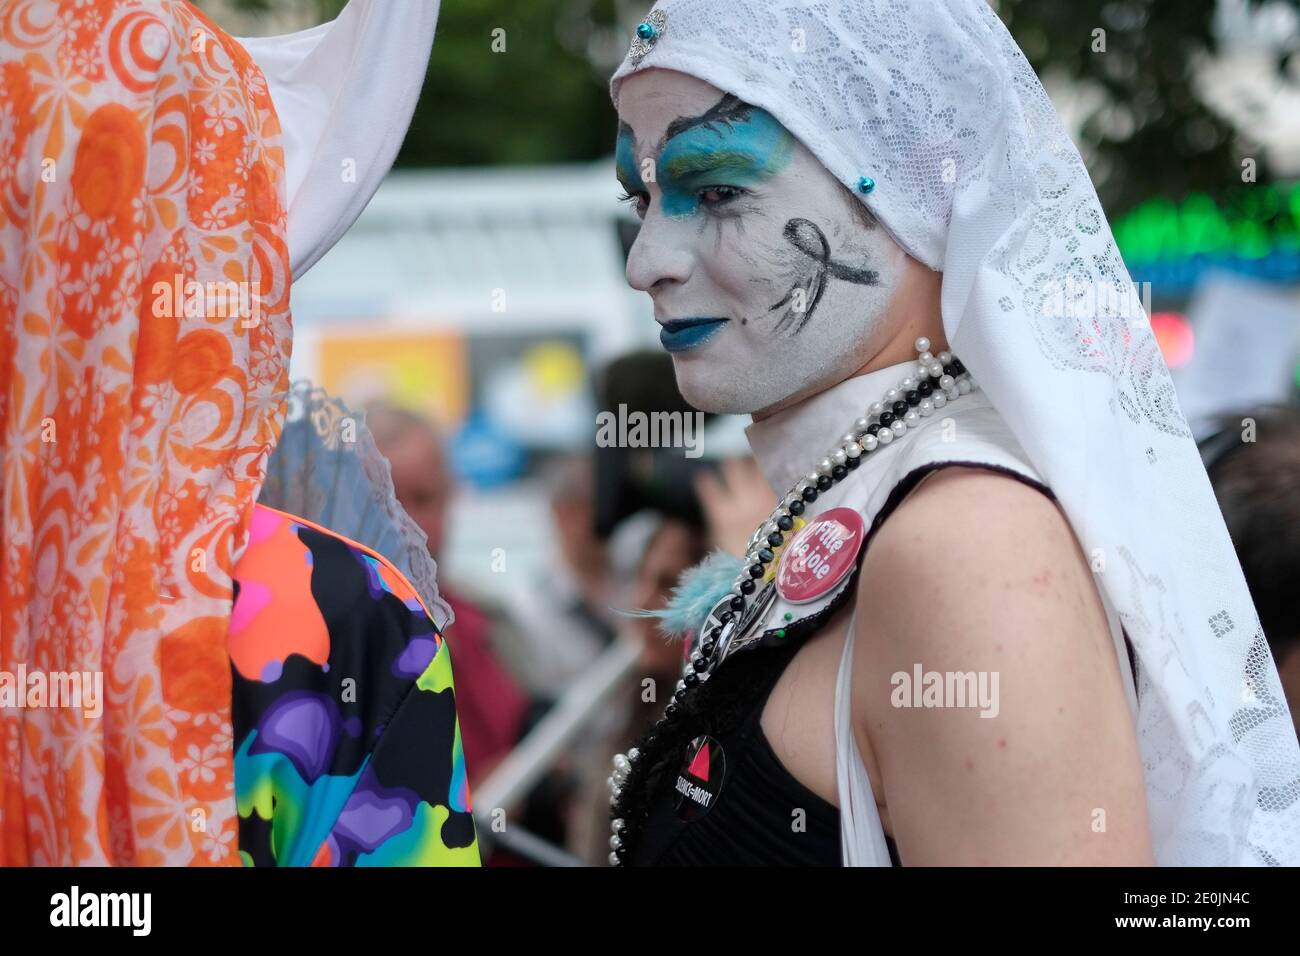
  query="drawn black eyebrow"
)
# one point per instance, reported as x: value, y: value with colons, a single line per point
x: 730, y: 109
x: 623, y: 128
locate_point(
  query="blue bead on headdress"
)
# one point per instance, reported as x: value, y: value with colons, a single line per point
x: 647, y: 34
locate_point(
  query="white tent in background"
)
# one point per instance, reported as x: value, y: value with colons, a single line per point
x: 508, y: 250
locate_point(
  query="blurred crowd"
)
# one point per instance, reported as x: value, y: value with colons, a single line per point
x: 515, y: 655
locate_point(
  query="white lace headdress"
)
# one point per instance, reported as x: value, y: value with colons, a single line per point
x: 976, y: 177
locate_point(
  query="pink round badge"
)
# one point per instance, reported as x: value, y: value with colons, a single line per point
x: 819, y: 556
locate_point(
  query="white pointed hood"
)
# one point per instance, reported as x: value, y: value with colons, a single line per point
x: 345, y: 92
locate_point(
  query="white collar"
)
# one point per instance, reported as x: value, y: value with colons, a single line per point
x: 789, y: 444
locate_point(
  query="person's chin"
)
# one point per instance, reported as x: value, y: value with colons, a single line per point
x: 695, y: 383
x: 700, y: 372
x: 708, y: 387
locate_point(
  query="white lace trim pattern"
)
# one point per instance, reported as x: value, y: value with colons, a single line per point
x: 327, y: 470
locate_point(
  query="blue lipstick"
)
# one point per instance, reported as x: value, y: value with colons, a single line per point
x: 679, y: 335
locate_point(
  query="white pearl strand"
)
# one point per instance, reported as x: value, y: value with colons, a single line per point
x: 854, y: 444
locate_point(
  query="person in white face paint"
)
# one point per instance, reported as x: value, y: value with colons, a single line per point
x: 995, y: 617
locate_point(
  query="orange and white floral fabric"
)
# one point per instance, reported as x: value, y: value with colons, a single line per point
x: 144, y: 337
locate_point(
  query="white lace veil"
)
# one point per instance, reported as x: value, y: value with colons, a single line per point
x: 976, y: 178
x: 327, y: 469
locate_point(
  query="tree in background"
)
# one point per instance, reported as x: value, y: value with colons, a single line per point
x: 510, y: 82
x: 1150, y: 132
x: 525, y: 81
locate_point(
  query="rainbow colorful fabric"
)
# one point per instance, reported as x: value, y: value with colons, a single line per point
x: 347, y: 747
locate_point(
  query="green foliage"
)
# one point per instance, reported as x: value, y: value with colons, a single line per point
x: 539, y: 101
x: 543, y: 100
x: 1153, y: 135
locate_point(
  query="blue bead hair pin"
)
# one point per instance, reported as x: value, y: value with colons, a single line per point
x: 866, y: 184
x: 647, y: 34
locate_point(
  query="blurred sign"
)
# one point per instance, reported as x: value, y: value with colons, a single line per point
x: 1172, y: 245
x: 426, y: 372
x: 484, y: 455
x: 499, y: 395
x: 1247, y: 337
x: 1174, y: 336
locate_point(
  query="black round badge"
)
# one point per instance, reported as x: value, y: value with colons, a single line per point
x: 700, y: 780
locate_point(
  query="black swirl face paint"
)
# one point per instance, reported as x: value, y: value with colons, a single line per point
x: 814, y: 267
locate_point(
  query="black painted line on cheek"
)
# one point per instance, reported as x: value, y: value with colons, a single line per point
x: 810, y: 282
x: 810, y: 271
x: 809, y: 240
x: 806, y: 237
x: 740, y: 235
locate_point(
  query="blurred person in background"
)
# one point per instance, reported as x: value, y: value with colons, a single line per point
x: 667, y: 546
x: 565, y: 614
x: 1254, y: 464
x: 494, y: 708
x: 734, y: 497
x: 495, y: 652
x: 666, y: 511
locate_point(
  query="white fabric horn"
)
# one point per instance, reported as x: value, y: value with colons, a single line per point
x: 345, y: 92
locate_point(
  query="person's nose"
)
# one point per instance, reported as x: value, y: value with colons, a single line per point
x: 657, y: 259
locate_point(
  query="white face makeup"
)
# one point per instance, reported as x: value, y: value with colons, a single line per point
x: 768, y: 282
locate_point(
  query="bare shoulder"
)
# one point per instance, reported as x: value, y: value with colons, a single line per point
x: 992, y: 528
x: 976, y: 583
x: 978, y: 564
x: 977, y: 502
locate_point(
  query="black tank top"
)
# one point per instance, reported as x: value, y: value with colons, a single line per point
x: 754, y: 817
x: 761, y: 815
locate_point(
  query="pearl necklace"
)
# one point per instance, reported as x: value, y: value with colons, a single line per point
x: 936, y: 381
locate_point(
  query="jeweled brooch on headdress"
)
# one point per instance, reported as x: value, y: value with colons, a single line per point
x: 647, y: 34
